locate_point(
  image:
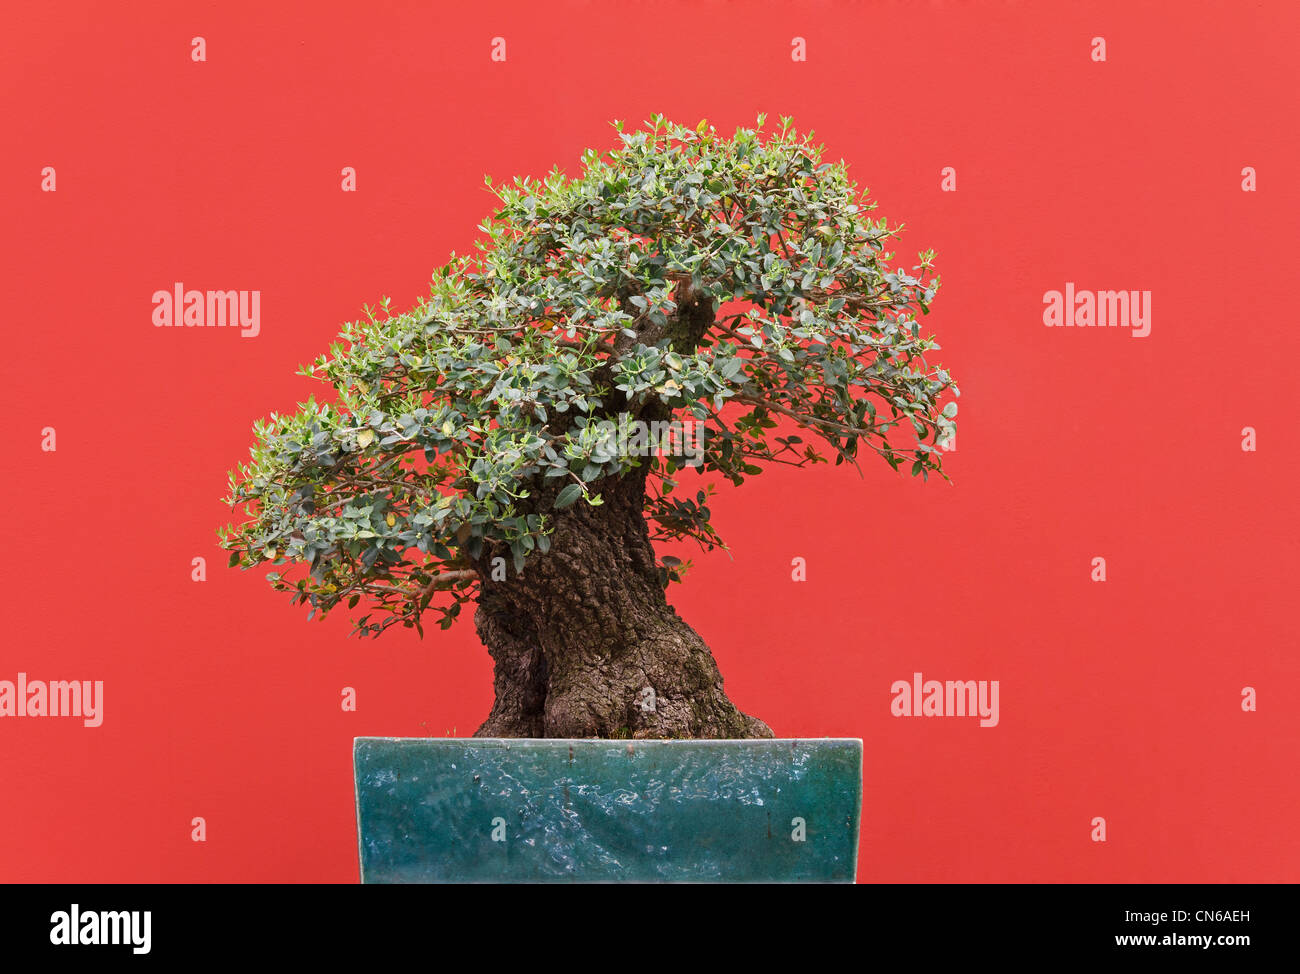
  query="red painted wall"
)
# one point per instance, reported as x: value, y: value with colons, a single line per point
x: 1119, y: 699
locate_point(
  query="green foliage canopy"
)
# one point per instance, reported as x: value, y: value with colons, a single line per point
x: 733, y: 281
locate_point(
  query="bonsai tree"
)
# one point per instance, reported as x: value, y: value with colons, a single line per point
x: 570, y: 393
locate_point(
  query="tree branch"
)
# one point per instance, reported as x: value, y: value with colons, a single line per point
x: 445, y: 580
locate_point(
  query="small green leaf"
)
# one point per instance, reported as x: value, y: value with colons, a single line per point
x: 567, y: 496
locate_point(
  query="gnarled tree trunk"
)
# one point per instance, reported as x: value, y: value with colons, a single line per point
x: 586, y: 645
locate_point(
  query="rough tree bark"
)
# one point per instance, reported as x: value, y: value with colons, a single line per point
x: 585, y: 631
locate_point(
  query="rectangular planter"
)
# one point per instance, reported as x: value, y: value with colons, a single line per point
x: 433, y: 810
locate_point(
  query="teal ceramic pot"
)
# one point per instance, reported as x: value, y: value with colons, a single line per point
x: 515, y: 810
